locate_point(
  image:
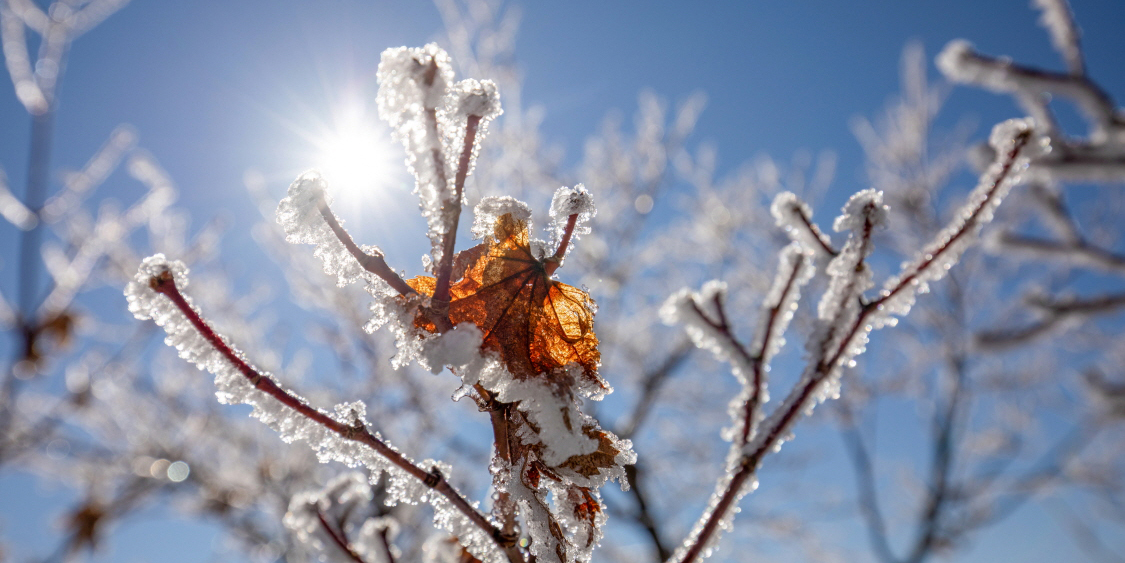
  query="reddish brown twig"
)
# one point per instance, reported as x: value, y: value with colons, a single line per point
x: 373, y: 263
x: 555, y: 260
x: 338, y: 538
x: 165, y: 285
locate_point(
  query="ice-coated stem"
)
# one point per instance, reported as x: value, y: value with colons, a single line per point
x: 723, y: 330
x: 504, y: 509
x: 449, y: 240
x: 166, y: 285
x: 373, y: 263
x: 556, y: 259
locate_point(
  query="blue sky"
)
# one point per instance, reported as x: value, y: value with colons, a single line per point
x: 217, y: 87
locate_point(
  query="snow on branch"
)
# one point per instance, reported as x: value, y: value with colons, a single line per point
x: 156, y: 293
x: 844, y: 317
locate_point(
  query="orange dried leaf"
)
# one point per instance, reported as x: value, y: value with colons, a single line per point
x: 536, y: 324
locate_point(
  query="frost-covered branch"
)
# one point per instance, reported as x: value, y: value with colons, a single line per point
x: 239, y: 381
x: 1079, y: 251
x: 844, y: 319
x: 449, y: 238
x: 706, y: 322
x: 795, y: 218
x: 1058, y: 20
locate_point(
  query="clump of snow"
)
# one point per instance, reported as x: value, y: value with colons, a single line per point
x: 412, y: 81
x: 864, y: 209
x: 457, y: 348
x: 492, y: 208
x: 300, y: 215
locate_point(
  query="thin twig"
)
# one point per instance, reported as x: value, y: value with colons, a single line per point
x: 651, y: 384
x: 814, y: 233
x: 449, y: 239
x: 1056, y: 312
x: 338, y: 538
x: 1079, y: 250
x: 643, y: 515
x: 868, y: 493
x: 373, y: 263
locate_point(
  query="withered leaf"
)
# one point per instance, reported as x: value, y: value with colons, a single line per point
x: 592, y: 463
x: 537, y: 325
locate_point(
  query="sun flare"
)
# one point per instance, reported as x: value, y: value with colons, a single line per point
x: 356, y: 155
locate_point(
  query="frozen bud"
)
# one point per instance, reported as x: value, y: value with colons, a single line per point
x: 412, y: 79
x: 958, y: 62
x: 794, y: 217
x: 144, y: 302
x: 570, y: 201
x: 299, y: 212
x: 473, y: 97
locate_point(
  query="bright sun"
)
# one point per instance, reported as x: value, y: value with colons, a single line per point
x: 356, y: 154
